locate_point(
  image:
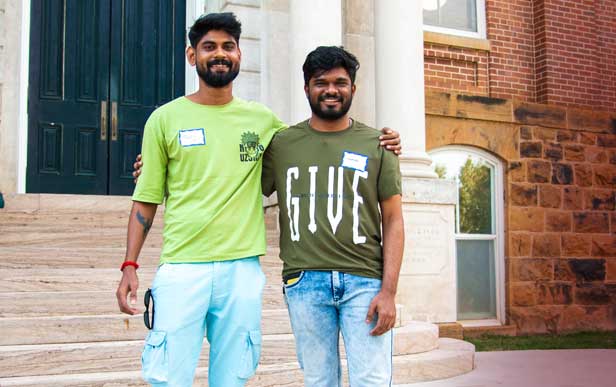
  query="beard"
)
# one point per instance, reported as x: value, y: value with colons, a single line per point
x: 327, y: 113
x: 217, y: 79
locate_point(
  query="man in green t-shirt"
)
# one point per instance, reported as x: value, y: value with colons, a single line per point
x: 340, y: 273
x: 204, y: 156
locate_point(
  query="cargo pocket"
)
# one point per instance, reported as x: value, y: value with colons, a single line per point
x: 250, y: 358
x: 154, y: 360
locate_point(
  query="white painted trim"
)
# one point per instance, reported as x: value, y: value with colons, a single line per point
x: 22, y: 136
x: 194, y: 9
x: 481, y: 25
x: 499, y: 221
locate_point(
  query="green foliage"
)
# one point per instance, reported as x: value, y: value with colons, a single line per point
x: 581, y: 340
x: 475, y: 199
x: 441, y: 171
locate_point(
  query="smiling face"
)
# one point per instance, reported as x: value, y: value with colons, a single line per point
x: 330, y: 93
x: 217, y: 57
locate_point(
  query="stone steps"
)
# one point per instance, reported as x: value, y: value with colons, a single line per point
x: 87, y: 302
x: 59, y: 258
x: 87, y: 279
x: 86, y: 357
x: 76, y: 329
x: 451, y: 358
x: 95, y: 328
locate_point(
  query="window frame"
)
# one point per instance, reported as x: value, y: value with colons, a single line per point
x: 498, y: 235
x: 481, y: 25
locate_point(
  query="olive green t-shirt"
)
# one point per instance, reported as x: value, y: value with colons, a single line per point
x: 206, y: 160
x: 329, y: 187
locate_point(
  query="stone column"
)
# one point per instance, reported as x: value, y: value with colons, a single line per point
x: 428, y: 277
x: 311, y: 24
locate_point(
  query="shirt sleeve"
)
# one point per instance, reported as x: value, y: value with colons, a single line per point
x: 267, y: 176
x: 150, y: 187
x: 389, y: 180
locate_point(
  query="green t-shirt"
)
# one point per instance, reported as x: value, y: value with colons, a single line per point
x: 329, y: 187
x: 206, y: 160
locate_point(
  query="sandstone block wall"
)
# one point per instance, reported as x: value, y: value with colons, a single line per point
x: 560, y: 218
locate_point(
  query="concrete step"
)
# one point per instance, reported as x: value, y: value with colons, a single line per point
x: 59, y: 203
x: 75, y: 329
x: 453, y: 357
x: 86, y: 357
x: 87, y: 279
x: 44, y: 257
x: 97, y: 328
x: 81, y: 303
x: 58, y: 359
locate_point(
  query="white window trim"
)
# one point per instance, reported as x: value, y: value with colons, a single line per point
x: 499, y: 221
x: 481, y: 25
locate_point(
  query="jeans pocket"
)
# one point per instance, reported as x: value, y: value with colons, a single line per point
x: 296, y: 282
x: 251, y: 355
x: 154, y: 359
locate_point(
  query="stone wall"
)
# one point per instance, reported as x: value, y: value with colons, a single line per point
x: 10, y: 37
x: 560, y: 199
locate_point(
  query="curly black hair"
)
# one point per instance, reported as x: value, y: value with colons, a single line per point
x: 223, y: 21
x: 325, y: 58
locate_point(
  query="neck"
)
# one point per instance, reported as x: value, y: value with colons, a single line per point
x: 330, y: 125
x: 208, y: 95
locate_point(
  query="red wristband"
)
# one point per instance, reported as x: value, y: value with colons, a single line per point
x: 129, y: 263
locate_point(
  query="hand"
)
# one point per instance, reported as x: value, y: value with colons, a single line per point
x: 383, y: 304
x: 137, y: 168
x: 128, y: 283
x: 390, y: 139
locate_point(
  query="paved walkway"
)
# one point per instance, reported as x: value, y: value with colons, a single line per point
x: 554, y: 368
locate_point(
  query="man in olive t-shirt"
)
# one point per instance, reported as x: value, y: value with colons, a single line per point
x: 339, y: 270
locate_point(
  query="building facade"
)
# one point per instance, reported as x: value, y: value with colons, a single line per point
x: 514, y: 111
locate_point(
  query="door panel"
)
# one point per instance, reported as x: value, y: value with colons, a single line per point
x: 144, y: 55
x: 69, y: 76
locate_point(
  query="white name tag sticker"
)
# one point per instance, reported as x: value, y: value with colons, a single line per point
x: 192, y: 137
x: 354, y: 161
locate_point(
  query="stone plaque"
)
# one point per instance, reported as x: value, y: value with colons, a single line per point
x: 428, y: 237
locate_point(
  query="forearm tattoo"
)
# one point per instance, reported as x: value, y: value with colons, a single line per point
x: 146, y: 223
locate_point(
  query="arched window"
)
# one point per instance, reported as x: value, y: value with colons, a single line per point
x: 479, y: 230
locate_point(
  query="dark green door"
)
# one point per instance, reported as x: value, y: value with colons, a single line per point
x: 98, y: 68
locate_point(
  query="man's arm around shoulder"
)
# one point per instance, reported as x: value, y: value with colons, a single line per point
x: 139, y: 224
x: 384, y: 303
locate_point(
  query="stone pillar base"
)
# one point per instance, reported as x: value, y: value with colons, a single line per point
x: 427, y: 286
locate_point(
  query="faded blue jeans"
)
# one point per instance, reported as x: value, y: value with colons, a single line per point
x: 321, y: 305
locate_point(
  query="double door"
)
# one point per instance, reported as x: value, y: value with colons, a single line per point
x: 98, y: 68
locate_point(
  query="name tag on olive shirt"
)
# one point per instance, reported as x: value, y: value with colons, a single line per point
x: 354, y: 161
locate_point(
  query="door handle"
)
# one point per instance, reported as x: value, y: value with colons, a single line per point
x: 103, y: 120
x: 114, y: 121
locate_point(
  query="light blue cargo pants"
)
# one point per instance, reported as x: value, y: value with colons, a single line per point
x: 219, y: 299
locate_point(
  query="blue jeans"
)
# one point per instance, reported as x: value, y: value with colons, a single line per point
x: 321, y: 305
x: 221, y: 300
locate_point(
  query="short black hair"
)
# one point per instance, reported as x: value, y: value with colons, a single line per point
x: 223, y: 21
x: 325, y: 58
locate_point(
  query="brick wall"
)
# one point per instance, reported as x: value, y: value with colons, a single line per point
x: 560, y: 218
x: 457, y: 69
x: 559, y: 52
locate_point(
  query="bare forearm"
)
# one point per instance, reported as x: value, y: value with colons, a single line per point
x: 139, y: 224
x: 393, y: 244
